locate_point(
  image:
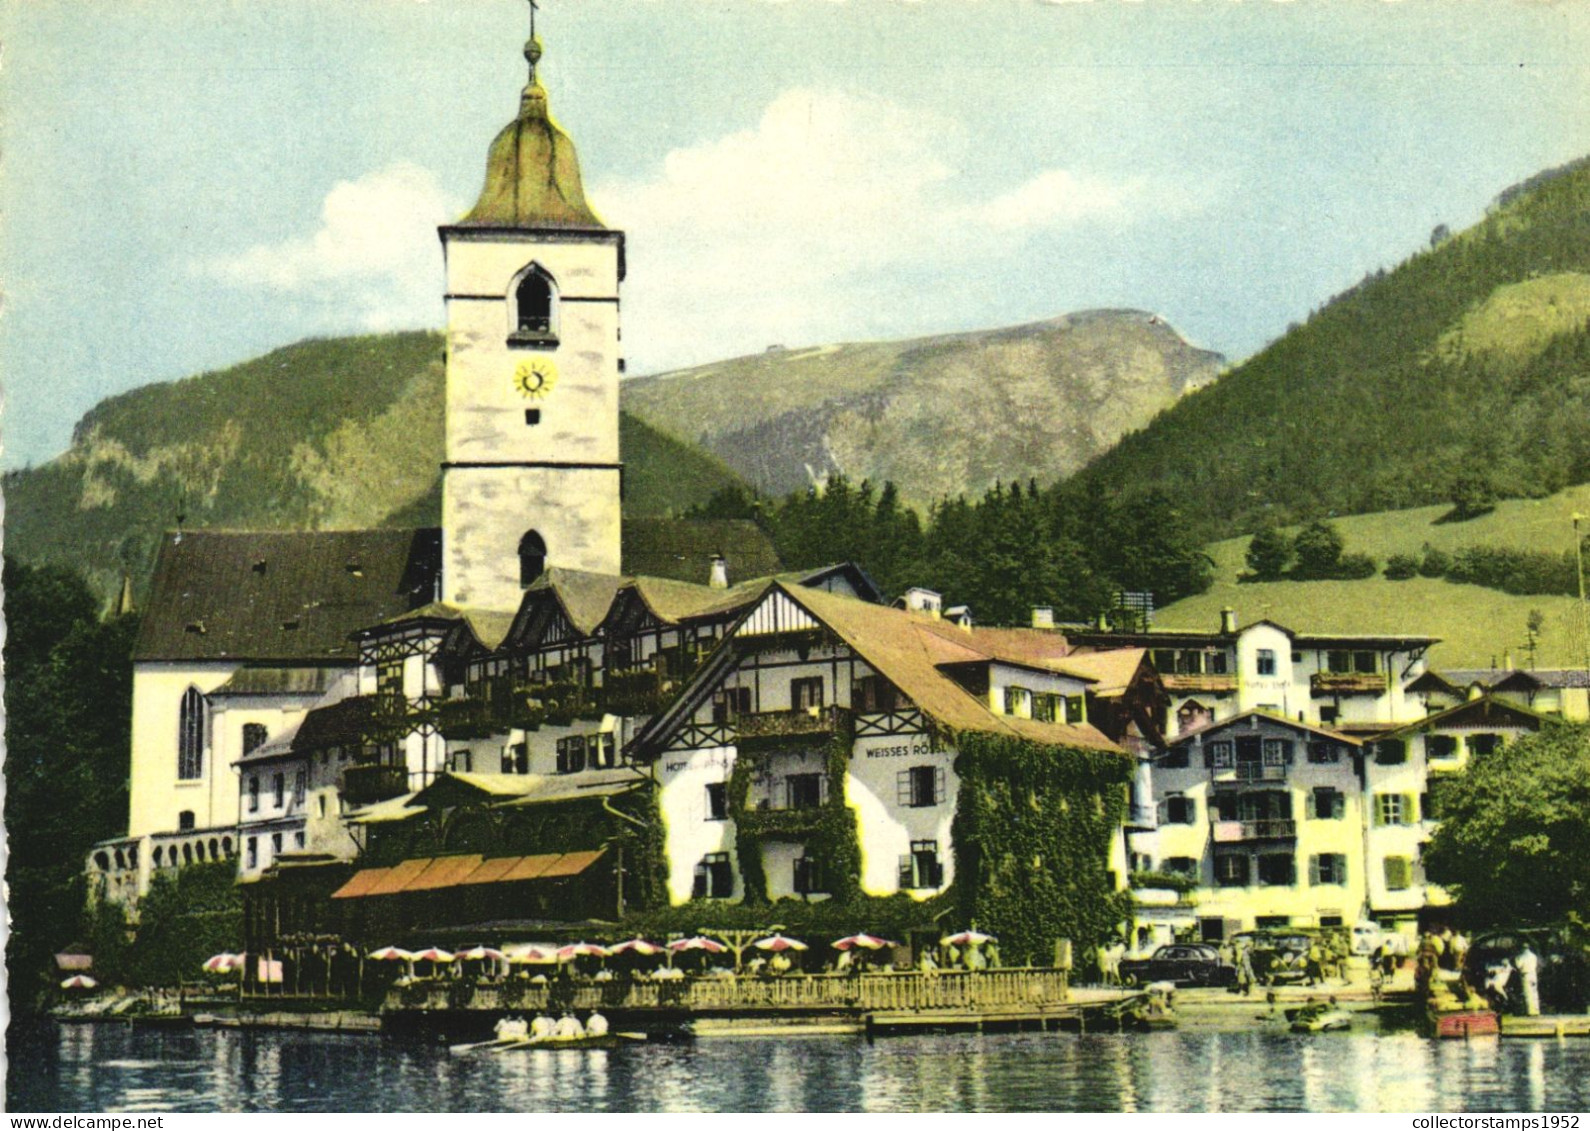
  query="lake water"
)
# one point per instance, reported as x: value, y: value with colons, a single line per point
x: 111, y: 1068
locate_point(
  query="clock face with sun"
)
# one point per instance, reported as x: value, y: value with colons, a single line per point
x: 535, y: 378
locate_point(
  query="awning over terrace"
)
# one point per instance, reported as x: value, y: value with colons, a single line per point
x: 427, y: 873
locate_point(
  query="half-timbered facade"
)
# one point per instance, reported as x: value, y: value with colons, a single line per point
x: 819, y: 707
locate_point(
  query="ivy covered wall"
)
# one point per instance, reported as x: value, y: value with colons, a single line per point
x: 1032, y: 833
x: 827, y: 830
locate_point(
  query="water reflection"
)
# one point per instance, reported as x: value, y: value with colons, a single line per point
x: 111, y: 1067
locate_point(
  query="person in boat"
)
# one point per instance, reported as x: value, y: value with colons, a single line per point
x: 568, y: 1026
x: 500, y: 1029
x: 541, y: 1028
x: 595, y: 1025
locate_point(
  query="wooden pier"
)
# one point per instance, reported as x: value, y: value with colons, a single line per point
x: 880, y: 1002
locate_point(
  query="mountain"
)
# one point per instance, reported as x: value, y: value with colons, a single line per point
x: 1469, y: 361
x: 324, y: 434
x: 939, y: 416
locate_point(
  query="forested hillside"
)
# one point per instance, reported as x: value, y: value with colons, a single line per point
x: 1472, y: 359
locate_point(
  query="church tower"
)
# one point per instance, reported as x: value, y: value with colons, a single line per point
x: 531, y: 474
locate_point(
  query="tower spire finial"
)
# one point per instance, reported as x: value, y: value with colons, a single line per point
x: 532, y: 47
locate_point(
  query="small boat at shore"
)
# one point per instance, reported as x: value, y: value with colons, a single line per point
x: 605, y: 1041
x: 1321, y: 1021
x: 1462, y: 1024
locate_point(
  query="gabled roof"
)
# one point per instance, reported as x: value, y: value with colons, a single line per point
x: 1196, y: 638
x: 906, y: 650
x: 292, y: 597
x: 343, y: 723
x: 1270, y: 717
x: 1112, y: 672
x: 1535, y: 679
x: 488, y: 626
x: 682, y: 549
x: 1484, y: 711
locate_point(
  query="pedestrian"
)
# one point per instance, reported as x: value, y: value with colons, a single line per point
x: 1314, y: 964
x: 1460, y: 950
x: 1245, y: 976
x: 1377, y: 982
x: 1528, y: 964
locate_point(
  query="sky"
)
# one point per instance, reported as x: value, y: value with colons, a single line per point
x: 185, y: 186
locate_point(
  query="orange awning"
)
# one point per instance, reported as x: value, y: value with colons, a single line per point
x: 360, y: 883
x: 444, y: 872
x: 433, y: 873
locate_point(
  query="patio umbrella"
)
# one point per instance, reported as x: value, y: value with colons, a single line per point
x: 863, y: 941
x: 778, y: 944
x: 967, y: 938
x: 222, y: 963
x: 390, y: 954
x: 581, y: 950
x: 635, y: 946
x: 432, y: 954
x: 78, y: 982
x: 478, y: 953
x: 530, y: 955
x: 697, y: 942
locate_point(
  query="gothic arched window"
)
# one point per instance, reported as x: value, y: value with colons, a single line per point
x: 535, y: 306
x: 190, y: 736
x: 532, y: 557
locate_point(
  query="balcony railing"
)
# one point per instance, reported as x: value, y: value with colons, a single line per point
x: 1231, y: 832
x: 1253, y: 771
x: 1208, y: 684
x: 633, y: 692
x: 1347, y: 683
x: 365, y: 785
x: 781, y: 724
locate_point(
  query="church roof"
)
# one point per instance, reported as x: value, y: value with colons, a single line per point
x: 683, y: 549
x: 532, y: 172
x: 283, y: 595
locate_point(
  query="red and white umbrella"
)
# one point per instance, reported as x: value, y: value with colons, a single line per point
x: 78, y: 982
x: 390, y: 954
x: 478, y: 953
x: 778, y: 944
x: 697, y: 942
x: 635, y: 946
x: 863, y: 941
x: 432, y: 954
x: 581, y: 950
x: 528, y: 954
x: 967, y: 938
x: 224, y: 963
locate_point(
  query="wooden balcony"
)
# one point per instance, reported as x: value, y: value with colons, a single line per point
x: 1199, y: 684
x: 1234, y: 832
x: 788, y: 724
x: 1347, y: 683
x: 365, y: 785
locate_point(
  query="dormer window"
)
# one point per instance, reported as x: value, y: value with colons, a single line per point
x: 534, y: 309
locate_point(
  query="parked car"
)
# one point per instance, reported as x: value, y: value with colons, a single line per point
x: 1186, y: 964
x: 1278, y: 957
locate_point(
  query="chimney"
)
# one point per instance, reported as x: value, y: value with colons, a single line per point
x: 1228, y: 620
x: 719, y: 578
x: 1042, y: 616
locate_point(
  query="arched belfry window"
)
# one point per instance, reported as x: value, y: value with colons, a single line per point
x: 535, y: 306
x: 190, y: 736
x: 532, y: 557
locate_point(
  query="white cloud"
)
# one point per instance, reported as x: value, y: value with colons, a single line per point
x: 784, y: 231
x: 375, y: 253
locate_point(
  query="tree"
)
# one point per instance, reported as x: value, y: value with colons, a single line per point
x: 1319, y: 551
x: 1514, y: 840
x: 68, y: 699
x: 1532, y: 630
x: 1472, y: 496
x: 1269, y: 553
